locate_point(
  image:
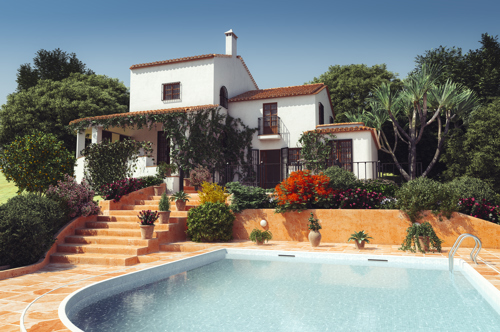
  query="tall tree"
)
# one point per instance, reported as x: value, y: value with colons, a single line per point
x: 51, y: 105
x: 351, y: 85
x: 475, y: 152
x: 53, y: 65
x: 420, y: 103
x: 479, y: 69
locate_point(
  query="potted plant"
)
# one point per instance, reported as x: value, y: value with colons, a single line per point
x: 199, y: 175
x: 259, y: 236
x: 164, y: 209
x: 360, y: 238
x: 159, y: 190
x: 314, y: 234
x: 180, y: 199
x: 421, y: 237
x: 147, y: 221
x: 165, y: 170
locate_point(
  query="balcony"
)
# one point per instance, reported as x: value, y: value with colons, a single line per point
x: 269, y: 128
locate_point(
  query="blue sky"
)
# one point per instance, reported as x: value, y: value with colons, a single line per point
x: 283, y: 43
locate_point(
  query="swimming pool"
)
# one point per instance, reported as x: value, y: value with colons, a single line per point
x: 254, y: 290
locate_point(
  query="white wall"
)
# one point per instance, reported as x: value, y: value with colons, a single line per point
x: 231, y: 73
x: 323, y: 98
x: 196, y: 79
x: 297, y: 115
x: 363, y: 150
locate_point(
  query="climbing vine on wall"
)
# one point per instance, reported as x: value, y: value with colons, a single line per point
x: 206, y: 137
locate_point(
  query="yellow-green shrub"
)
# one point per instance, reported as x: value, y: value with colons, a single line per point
x: 213, y: 193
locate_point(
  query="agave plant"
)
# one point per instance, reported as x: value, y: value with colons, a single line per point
x: 360, y: 236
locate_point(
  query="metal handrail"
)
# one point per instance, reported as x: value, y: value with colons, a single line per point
x: 457, y: 243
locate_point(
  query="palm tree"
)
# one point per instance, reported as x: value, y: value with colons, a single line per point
x: 421, y: 101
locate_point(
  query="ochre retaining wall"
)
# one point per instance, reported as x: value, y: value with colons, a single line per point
x: 385, y: 226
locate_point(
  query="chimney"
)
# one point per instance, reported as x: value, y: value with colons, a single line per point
x: 231, y: 43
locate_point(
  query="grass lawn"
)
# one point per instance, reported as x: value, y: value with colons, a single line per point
x: 7, y: 189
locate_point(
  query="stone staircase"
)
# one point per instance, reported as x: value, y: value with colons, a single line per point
x: 114, y: 238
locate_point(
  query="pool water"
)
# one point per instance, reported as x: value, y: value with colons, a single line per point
x: 260, y: 295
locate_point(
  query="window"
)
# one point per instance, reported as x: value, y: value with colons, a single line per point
x: 293, y: 156
x: 270, y: 118
x: 341, y: 154
x: 171, y: 91
x: 321, y: 114
x: 223, y: 97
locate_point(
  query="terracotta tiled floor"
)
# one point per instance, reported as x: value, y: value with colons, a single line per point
x: 44, y: 290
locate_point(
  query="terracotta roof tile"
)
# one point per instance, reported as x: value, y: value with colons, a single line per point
x: 190, y: 58
x: 348, y: 129
x: 341, y: 124
x: 161, y: 111
x: 289, y: 91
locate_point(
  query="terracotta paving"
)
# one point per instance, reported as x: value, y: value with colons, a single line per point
x: 40, y: 293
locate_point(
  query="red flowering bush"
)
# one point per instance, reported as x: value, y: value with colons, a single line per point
x: 479, y: 209
x: 302, y: 190
x: 118, y: 189
x: 356, y: 199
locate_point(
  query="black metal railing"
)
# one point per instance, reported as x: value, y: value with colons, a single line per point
x: 270, y: 125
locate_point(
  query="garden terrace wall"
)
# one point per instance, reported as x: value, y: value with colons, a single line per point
x: 385, y: 226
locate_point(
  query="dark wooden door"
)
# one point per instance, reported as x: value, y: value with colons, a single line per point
x: 270, y: 118
x: 163, y: 148
x: 271, y: 172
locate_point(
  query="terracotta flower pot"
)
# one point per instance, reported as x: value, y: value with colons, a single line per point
x: 158, y: 190
x: 314, y: 238
x: 359, y: 245
x: 259, y: 243
x: 180, y: 205
x: 424, y: 242
x: 147, y: 231
x: 187, y: 182
x: 163, y: 217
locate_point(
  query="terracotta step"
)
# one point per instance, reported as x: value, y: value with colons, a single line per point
x: 96, y: 259
x: 102, y: 249
x: 121, y: 232
x: 121, y: 225
x: 118, y: 240
x: 184, y: 246
x: 147, y: 202
x: 140, y: 207
x: 192, y: 196
x: 135, y: 219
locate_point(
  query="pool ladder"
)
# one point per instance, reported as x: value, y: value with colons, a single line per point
x: 473, y: 253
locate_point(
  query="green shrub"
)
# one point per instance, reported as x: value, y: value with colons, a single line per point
x: 210, y: 222
x: 467, y: 187
x: 385, y: 187
x: 422, y: 194
x: 27, y: 227
x: 341, y: 179
x: 109, y: 162
x: 150, y: 180
x: 164, y: 204
x: 246, y: 197
x: 34, y: 162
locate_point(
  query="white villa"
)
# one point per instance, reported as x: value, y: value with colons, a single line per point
x: 223, y: 80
